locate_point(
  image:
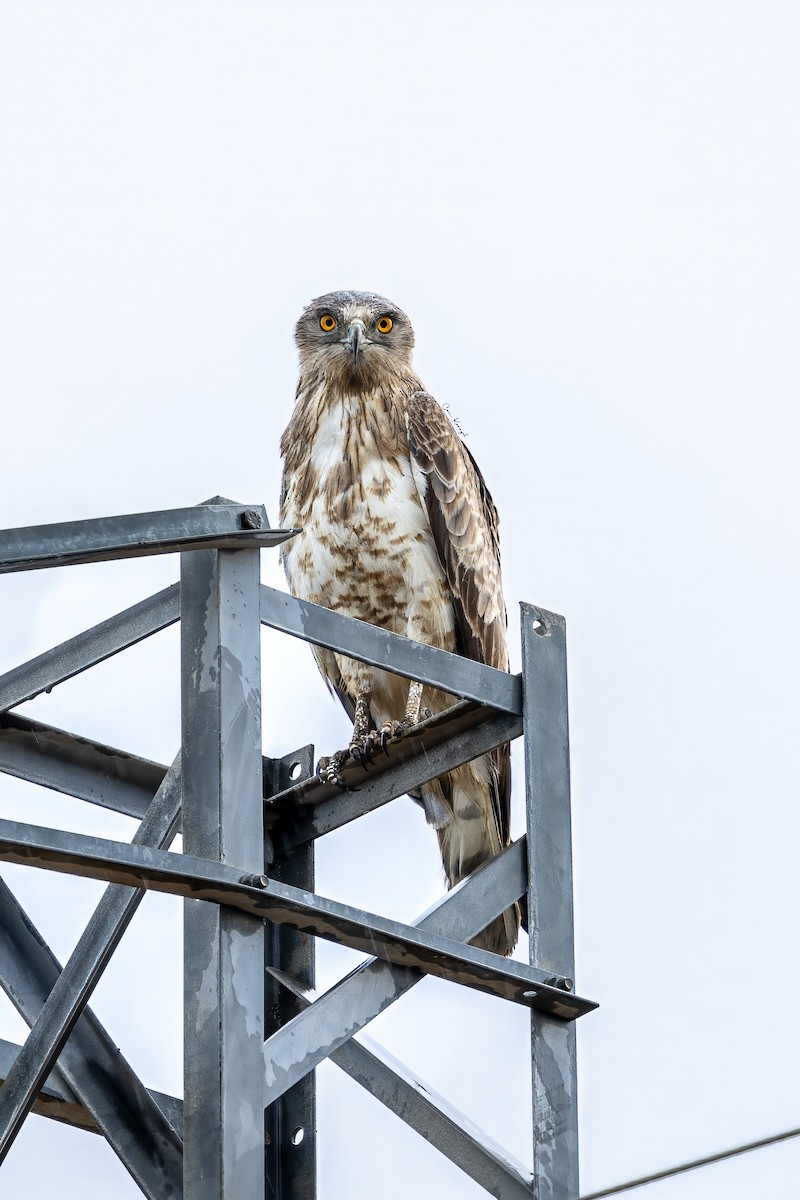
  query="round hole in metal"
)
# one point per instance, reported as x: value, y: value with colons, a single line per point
x: 298, y: 1135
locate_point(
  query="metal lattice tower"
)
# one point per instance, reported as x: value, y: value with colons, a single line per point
x: 253, y: 1031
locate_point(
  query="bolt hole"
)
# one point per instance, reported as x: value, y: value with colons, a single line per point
x: 298, y: 1135
x: 540, y: 626
x: 295, y: 770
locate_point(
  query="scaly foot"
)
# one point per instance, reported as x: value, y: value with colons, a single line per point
x: 391, y: 731
x: 329, y: 769
x: 362, y: 750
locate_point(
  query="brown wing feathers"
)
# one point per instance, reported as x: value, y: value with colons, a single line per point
x: 463, y: 521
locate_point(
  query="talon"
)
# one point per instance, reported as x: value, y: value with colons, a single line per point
x: 361, y: 750
x: 359, y: 755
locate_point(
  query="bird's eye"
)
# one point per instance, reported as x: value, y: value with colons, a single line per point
x: 384, y: 324
x: 327, y: 322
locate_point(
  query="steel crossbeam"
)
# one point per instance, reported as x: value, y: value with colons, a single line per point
x: 216, y: 524
x: 253, y: 1036
x: 77, y: 766
x: 295, y: 812
x: 257, y: 896
x: 426, y: 664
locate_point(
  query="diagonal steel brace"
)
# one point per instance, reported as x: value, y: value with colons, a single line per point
x: 93, y: 646
x: 431, y: 1115
x: 52, y: 1003
x: 313, y: 1035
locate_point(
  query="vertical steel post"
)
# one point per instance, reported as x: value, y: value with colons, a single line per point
x: 291, y: 1163
x: 555, y: 1091
x: 222, y: 820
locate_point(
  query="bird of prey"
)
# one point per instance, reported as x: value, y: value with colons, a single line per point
x: 398, y: 529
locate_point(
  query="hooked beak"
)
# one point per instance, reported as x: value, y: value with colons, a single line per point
x: 356, y: 336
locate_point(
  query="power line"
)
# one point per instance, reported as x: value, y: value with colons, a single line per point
x: 745, y: 1148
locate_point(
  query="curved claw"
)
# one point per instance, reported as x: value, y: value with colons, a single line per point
x: 360, y: 754
x: 390, y: 731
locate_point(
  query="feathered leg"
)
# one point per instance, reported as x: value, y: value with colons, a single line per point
x: 396, y: 729
x: 365, y: 743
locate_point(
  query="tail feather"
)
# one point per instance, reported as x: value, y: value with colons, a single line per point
x: 471, y: 836
x: 468, y: 807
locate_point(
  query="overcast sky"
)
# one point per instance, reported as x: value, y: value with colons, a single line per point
x: 589, y: 211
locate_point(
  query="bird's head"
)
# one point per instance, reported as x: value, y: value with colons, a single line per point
x: 354, y: 339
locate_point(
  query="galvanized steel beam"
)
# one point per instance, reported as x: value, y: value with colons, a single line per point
x: 291, y: 1119
x: 204, y: 526
x: 223, y: 821
x: 547, y: 791
x: 267, y: 899
x: 101, y: 774
x: 77, y: 766
x: 93, y: 646
x: 413, y: 660
x: 81, y: 974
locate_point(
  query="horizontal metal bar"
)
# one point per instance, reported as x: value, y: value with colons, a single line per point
x: 201, y: 879
x: 312, y: 808
x: 80, y: 976
x: 92, y: 646
x: 424, y: 1110
x: 357, y: 639
x: 101, y: 774
x: 58, y: 1101
x: 204, y: 526
x: 301, y: 1045
x: 77, y: 766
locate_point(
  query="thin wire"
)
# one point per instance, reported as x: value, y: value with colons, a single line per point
x: 692, y: 1166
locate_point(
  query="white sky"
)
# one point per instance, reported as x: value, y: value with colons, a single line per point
x: 589, y: 211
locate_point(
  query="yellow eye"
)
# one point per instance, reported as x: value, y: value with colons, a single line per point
x: 384, y: 324
x: 327, y: 322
